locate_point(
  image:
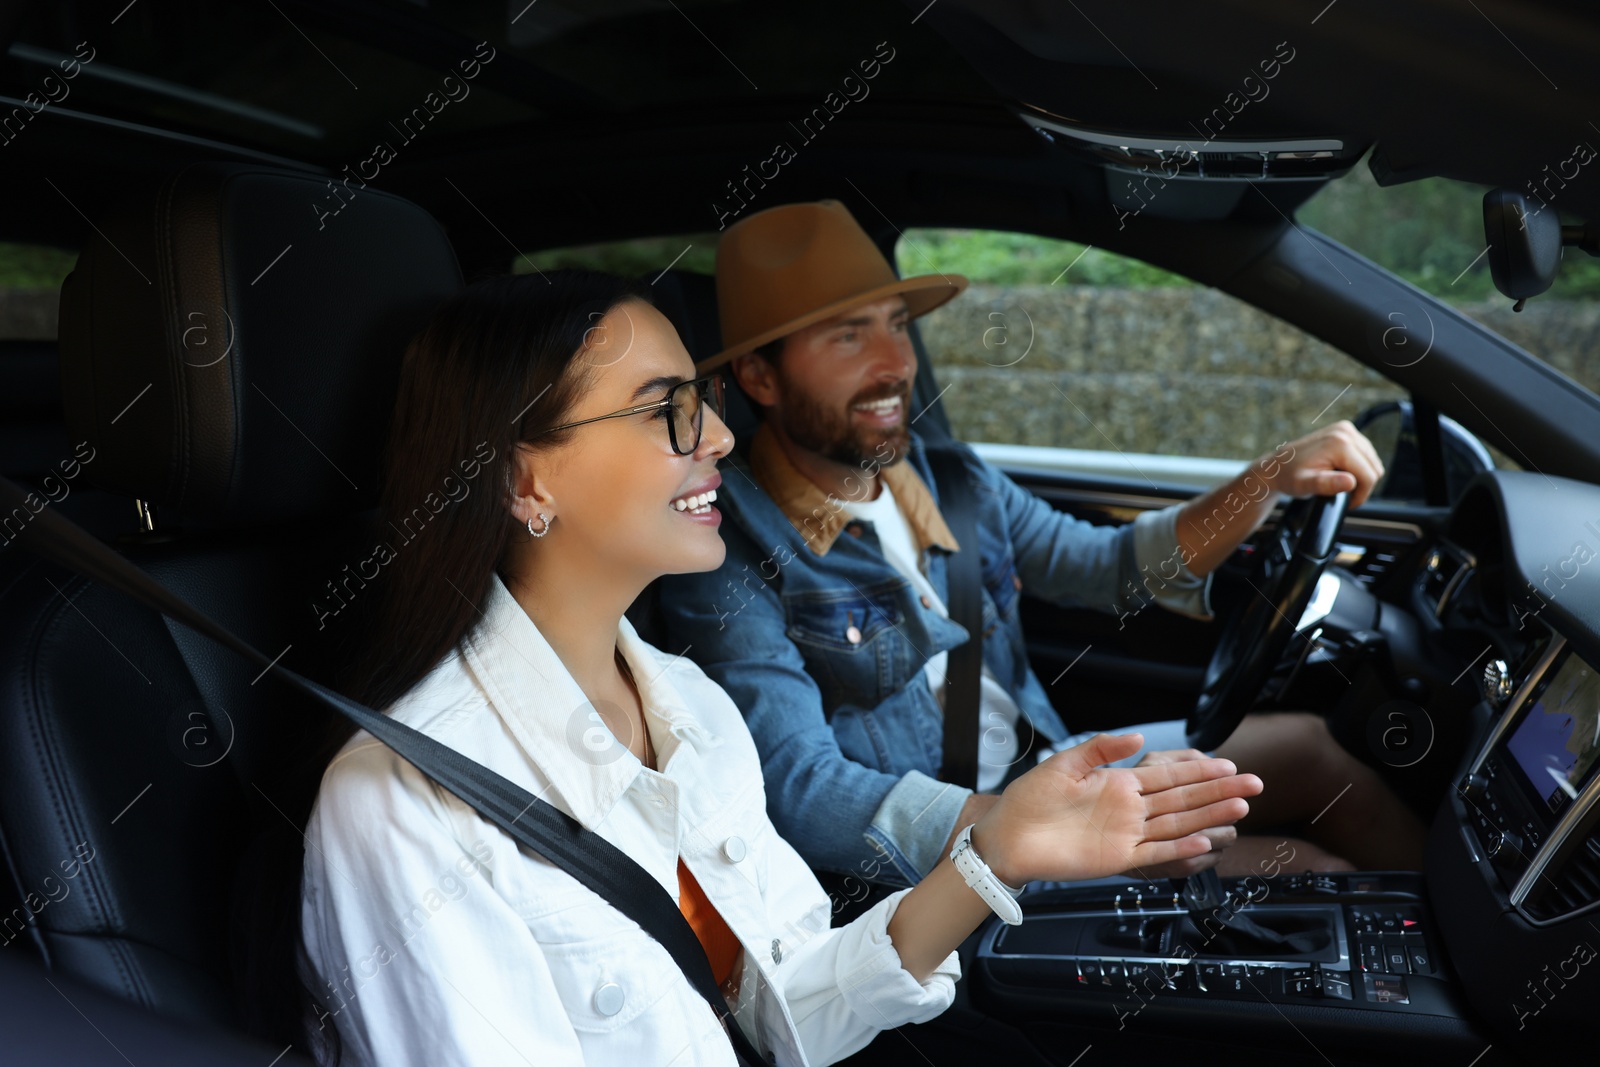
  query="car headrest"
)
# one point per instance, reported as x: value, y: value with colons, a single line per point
x: 231, y: 341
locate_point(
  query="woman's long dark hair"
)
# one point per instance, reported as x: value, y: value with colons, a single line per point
x: 495, y: 366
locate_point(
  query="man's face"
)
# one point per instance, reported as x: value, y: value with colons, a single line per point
x: 844, y: 385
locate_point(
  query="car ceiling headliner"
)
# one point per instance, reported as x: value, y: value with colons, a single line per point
x: 1479, y: 90
x: 1471, y: 89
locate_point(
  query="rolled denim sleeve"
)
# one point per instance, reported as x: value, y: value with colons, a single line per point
x: 901, y: 826
x: 839, y: 814
x: 1074, y: 563
x: 1156, y: 552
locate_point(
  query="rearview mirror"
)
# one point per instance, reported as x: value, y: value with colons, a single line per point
x: 1392, y: 430
x: 1524, y: 243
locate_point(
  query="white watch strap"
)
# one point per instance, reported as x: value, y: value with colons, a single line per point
x: 1000, y: 897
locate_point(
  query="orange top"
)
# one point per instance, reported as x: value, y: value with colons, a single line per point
x: 722, y: 948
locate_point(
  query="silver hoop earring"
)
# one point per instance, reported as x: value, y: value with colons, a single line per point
x: 542, y: 531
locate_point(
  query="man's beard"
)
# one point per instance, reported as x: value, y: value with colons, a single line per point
x: 831, y: 433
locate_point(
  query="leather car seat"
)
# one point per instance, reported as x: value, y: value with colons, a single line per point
x: 232, y: 360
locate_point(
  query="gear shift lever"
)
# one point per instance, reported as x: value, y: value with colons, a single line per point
x: 1217, y: 925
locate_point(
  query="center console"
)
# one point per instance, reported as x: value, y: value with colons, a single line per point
x: 1495, y: 944
x: 1315, y: 968
x: 1514, y: 855
x: 1357, y: 941
x: 1531, y: 798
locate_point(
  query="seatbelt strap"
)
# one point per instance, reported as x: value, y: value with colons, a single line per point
x: 535, y: 824
x: 958, y: 503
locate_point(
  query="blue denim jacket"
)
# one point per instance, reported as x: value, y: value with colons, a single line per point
x: 849, y: 732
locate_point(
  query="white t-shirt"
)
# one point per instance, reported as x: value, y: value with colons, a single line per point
x: 997, y: 712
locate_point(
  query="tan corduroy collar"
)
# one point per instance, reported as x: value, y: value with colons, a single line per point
x: 819, y: 517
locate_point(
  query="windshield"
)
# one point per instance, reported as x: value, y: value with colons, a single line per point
x: 1430, y: 233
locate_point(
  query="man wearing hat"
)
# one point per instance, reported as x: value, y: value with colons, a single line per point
x: 828, y: 625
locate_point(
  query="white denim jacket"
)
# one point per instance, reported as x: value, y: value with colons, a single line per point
x: 437, y: 941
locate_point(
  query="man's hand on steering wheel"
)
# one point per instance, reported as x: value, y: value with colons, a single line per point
x: 1334, y: 459
x: 1325, y: 473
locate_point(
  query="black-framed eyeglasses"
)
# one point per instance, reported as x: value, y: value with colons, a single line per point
x: 686, y: 402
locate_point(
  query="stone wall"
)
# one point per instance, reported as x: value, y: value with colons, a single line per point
x: 28, y: 314
x: 1181, y: 370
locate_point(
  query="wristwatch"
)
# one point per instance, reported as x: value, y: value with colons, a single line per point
x: 1000, y: 897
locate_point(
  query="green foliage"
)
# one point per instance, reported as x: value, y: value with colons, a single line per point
x: 997, y: 258
x: 1428, y: 232
x: 646, y: 257
x: 34, y: 266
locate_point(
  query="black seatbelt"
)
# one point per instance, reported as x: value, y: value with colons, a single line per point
x: 958, y: 503
x: 535, y: 824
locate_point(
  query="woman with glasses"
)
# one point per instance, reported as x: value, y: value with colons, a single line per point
x: 577, y: 454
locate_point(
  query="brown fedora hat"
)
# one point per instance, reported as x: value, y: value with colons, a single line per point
x: 785, y: 268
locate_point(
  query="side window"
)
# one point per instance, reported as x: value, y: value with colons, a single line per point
x: 30, y: 290
x: 1059, y: 345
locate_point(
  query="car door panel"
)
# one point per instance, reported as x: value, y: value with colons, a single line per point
x: 1105, y: 669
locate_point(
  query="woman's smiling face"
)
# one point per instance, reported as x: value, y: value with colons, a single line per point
x: 623, y: 500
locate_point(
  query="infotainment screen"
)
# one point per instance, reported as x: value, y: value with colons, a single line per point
x: 1559, y: 737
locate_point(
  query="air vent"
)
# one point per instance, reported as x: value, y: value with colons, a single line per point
x: 1447, y: 568
x: 1570, y: 888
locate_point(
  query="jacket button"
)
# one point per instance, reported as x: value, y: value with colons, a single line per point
x: 777, y: 951
x: 854, y: 529
x: 608, y: 999
x: 733, y: 848
x: 926, y: 602
x: 1016, y: 582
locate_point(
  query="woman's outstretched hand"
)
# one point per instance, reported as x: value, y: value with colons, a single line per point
x: 1070, y: 818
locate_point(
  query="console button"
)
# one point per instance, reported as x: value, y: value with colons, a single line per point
x: 1386, y: 989
x: 1336, y: 985
x: 1234, y: 981
x: 1264, y: 980
x: 1089, y: 973
x: 1473, y: 788
x: 1394, y: 956
x: 1210, y: 978
x: 1175, y: 977
x: 1313, y: 981
x: 1371, y: 954
x: 1113, y: 974
x: 1420, y: 963
x: 1504, y: 844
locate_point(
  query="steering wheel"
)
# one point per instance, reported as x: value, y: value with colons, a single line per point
x: 1283, y: 574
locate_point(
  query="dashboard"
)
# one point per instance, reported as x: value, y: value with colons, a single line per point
x: 1531, y: 794
x: 1492, y: 631
x: 1513, y: 867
